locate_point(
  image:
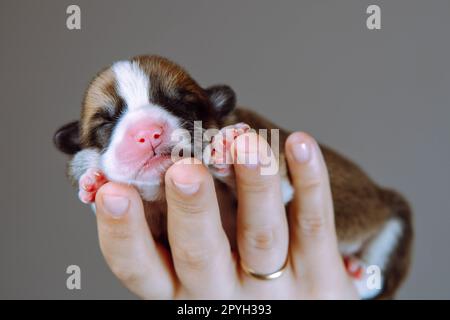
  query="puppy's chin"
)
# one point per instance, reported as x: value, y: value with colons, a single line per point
x: 151, y: 192
x: 149, y: 186
x: 148, y: 180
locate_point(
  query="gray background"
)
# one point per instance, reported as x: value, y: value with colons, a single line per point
x: 380, y: 97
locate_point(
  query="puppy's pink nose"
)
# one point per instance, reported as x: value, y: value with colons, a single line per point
x: 150, y: 137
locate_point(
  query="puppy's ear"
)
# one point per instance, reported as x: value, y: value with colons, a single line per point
x: 222, y: 98
x: 67, y: 138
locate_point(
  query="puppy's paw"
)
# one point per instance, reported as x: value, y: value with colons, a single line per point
x: 357, y: 269
x: 354, y: 267
x: 221, y: 158
x: 89, y: 184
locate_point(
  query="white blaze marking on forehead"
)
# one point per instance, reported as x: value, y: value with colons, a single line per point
x: 132, y: 83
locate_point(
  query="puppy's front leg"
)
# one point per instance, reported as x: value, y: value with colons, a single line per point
x: 84, y: 168
x: 221, y: 158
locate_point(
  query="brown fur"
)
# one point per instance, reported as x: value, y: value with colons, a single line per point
x: 100, y: 93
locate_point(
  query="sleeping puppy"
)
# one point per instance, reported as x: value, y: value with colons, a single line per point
x: 137, y: 113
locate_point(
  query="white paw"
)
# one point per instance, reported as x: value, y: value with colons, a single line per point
x: 221, y: 158
x: 89, y: 184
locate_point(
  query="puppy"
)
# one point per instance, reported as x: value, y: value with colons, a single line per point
x: 130, y: 115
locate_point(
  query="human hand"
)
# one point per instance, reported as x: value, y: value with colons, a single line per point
x: 301, y: 243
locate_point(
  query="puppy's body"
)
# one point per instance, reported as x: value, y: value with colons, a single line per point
x: 131, y: 110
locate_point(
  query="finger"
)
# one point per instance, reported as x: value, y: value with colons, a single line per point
x: 313, y: 236
x: 262, y: 230
x: 199, y: 245
x: 127, y: 244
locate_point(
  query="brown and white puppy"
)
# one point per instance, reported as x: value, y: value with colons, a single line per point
x: 133, y: 109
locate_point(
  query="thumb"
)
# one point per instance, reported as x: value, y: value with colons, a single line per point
x: 127, y: 245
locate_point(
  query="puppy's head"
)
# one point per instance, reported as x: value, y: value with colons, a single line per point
x: 130, y: 111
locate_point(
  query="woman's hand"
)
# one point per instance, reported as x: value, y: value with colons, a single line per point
x: 302, y: 244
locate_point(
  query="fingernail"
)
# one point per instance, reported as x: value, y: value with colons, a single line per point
x: 116, y: 206
x: 301, y: 152
x: 187, y: 188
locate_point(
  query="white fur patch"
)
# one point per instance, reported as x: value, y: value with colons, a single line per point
x: 365, y: 285
x: 381, y: 247
x: 132, y: 83
x: 376, y: 254
x: 349, y: 248
x: 286, y: 190
x: 83, y: 160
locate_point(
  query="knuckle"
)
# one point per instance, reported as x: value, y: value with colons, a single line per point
x: 260, y: 238
x: 187, y: 206
x: 258, y: 186
x: 312, y: 224
x: 128, y: 270
x: 191, y: 256
x: 308, y: 184
x: 125, y: 273
x: 114, y: 230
